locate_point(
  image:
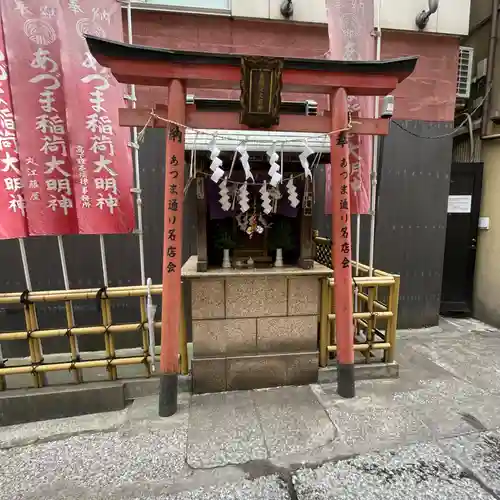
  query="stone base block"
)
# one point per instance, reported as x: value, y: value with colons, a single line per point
x: 21, y: 406
x: 224, y: 337
x: 209, y: 375
x: 207, y: 299
x: 254, y: 372
x: 362, y: 372
x: 287, y: 334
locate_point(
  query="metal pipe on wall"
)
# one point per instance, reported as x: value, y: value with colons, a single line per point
x: 374, y: 169
x: 135, y: 161
x: 27, y: 278
x: 103, y: 261
x: 492, y: 48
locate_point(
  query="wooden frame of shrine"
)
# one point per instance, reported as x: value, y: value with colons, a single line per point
x: 252, y: 327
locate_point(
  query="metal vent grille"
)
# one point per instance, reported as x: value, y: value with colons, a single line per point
x: 464, y: 76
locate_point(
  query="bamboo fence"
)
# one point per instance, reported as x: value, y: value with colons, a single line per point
x: 375, y: 319
x: 33, y: 335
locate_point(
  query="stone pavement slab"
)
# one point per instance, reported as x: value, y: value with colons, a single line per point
x: 419, y: 472
x: 93, y: 463
x: 49, y: 430
x: 479, y: 453
x: 263, y: 488
x: 475, y: 359
x: 293, y: 420
x: 376, y: 427
x: 224, y: 429
x: 249, y: 444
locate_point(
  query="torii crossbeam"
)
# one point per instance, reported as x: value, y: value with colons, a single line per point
x: 265, y: 79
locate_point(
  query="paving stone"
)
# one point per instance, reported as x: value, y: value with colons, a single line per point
x: 480, y: 453
x: 364, y: 427
x: 419, y: 472
x: 443, y: 392
x: 263, y: 488
x: 443, y: 421
x: 224, y: 429
x: 89, y: 465
x: 485, y: 410
x: 379, y: 392
x: 30, y: 433
x: 292, y: 420
x: 413, y: 362
x: 466, y: 362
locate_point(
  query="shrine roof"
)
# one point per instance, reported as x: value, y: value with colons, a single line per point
x: 104, y: 50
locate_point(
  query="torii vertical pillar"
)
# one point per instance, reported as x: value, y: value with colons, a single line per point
x: 341, y: 245
x: 172, y: 248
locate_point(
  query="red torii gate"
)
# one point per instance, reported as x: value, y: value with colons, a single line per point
x: 178, y: 70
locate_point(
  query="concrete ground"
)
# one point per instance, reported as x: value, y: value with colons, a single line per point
x: 431, y: 434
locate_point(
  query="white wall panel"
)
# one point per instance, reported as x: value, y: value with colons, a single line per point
x: 452, y: 17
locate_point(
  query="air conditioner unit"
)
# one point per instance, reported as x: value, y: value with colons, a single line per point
x: 464, y: 75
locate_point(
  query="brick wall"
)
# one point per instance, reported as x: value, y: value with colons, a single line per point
x: 225, y: 35
x: 429, y: 94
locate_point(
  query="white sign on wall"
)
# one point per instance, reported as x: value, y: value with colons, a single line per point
x: 459, y: 204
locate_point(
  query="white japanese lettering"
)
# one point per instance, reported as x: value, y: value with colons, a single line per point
x: 110, y: 202
x: 74, y: 6
x: 54, y: 144
x: 85, y: 201
x: 101, y: 15
x: 10, y: 163
x: 102, y: 144
x: 13, y: 184
x: 47, y: 12
x: 52, y: 124
x: 58, y: 185
x: 16, y: 203
x: 55, y: 164
x: 101, y: 124
x: 103, y: 164
x: 106, y: 184
x: 63, y: 202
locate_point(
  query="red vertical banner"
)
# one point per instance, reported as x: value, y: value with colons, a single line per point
x: 102, y: 160
x: 35, y: 67
x: 350, y: 31
x: 74, y: 165
x: 12, y: 202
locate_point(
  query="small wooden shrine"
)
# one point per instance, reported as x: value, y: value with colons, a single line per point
x: 254, y: 284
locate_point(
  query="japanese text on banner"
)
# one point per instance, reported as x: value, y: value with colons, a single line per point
x: 34, y: 48
x: 99, y: 146
x: 350, y: 27
x: 12, y: 203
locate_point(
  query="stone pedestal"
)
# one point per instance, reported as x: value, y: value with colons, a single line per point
x: 254, y: 328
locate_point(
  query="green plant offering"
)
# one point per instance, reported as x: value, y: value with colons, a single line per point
x: 223, y: 241
x: 280, y: 235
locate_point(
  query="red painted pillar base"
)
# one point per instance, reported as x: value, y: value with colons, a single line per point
x: 341, y: 245
x: 172, y: 249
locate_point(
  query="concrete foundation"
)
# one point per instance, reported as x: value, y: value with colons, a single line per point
x: 254, y: 328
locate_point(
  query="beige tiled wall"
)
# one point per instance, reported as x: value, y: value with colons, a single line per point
x: 249, y: 315
x: 253, y: 332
